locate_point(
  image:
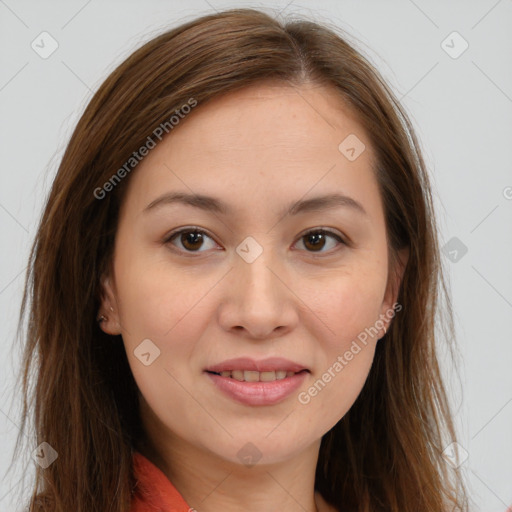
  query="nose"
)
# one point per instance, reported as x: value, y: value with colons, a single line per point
x: 258, y: 300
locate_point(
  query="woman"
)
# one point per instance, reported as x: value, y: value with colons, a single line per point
x: 234, y: 286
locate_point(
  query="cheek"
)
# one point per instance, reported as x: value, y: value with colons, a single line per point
x: 350, y: 307
x: 166, y: 309
x: 169, y: 308
x: 349, y: 304
x: 155, y: 301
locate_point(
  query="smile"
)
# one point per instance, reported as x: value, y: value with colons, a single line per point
x: 253, y: 389
x: 253, y: 376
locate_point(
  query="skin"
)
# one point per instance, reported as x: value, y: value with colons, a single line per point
x: 259, y: 150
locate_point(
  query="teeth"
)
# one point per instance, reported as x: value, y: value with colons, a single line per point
x: 267, y: 376
x: 252, y: 376
x: 237, y: 374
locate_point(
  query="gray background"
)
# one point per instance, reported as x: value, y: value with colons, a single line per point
x: 461, y: 108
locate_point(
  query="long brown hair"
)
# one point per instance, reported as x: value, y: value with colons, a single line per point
x: 385, y: 454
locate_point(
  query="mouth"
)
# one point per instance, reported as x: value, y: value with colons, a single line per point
x: 252, y: 370
x: 253, y: 388
x: 255, y: 376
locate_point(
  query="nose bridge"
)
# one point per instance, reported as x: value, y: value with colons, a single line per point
x: 255, y: 271
x: 259, y: 301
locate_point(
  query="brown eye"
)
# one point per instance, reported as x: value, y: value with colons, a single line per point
x: 316, y: 240
x: 191, y: 240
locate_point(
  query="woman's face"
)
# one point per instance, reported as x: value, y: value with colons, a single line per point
x: 253, y: 285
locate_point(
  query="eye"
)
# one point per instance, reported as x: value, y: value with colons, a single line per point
x: 316, y: 239
x: 191, y: 239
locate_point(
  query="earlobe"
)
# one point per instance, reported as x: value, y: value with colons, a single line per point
x: 107, y: 316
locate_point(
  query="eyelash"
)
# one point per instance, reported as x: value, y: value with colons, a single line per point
x: 194, y: 229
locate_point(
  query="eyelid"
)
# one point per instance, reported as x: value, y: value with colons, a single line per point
x: 326, y: 231
x: 195, y: 229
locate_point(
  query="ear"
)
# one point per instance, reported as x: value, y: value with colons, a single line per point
x: 396, y: 273
x: 108, y: 312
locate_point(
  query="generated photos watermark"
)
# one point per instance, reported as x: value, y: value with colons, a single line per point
x: 158, y: 133
x: 304, y: 397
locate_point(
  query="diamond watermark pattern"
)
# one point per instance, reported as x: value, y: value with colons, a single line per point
x: 351, y: 147
x: 249, y: 249
x: 147, y: 352
x: 455, y: 454
x: 44, y: 45
x: 249, y: 454
x: 454, y: 249
x: 454, y: 45
x: 44, y: 455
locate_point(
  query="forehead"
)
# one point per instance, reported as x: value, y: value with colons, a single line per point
x: 267, y: 115
x: 267, y: 141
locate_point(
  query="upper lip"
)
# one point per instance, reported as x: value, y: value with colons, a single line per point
x: 264, y: 365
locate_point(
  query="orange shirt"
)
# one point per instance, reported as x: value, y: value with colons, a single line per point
x: 154, y: 491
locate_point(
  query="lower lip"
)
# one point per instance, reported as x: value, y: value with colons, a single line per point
x: 258, y: 393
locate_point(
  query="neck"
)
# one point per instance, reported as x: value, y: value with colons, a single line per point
x: 209, y: 483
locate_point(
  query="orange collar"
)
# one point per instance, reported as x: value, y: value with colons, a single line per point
x: 154, y: 491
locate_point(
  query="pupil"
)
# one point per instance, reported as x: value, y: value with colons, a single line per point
x: 194, y: 236
x: 316, y: 237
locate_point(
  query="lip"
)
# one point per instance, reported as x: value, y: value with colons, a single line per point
x: 258, y: 393
x: 265, y: 365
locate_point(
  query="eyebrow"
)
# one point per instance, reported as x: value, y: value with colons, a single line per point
x: 211, y: 204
